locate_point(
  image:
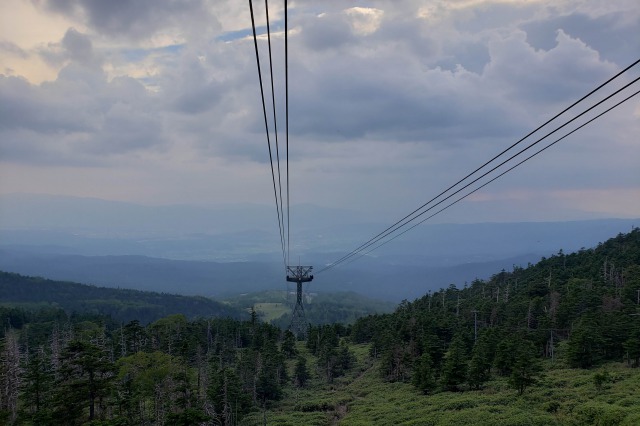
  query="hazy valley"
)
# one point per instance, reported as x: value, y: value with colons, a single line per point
x: 218, y: 252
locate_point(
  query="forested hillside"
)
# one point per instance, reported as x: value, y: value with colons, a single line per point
x: 553, y: 343
x: 119, y: 304
x: 583, y: 305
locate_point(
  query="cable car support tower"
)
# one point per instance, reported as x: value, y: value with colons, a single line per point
x: 299, y: 275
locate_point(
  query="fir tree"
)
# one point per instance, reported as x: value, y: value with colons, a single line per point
x: 454, y: 369
x: 526, y: 368
x: 301, y: 375
x: 424, y: 374
x: 480, y: 365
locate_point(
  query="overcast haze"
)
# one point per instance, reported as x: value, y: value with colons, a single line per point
x: 157, y: 102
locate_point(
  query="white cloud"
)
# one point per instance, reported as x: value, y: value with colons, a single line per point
x: 390, y: 102
x: 365, y: 20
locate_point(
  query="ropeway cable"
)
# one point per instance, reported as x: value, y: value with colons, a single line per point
x: 494, y: 178
x: 286, y: 85
x: 275, y: 126
x: 408, y: 218
x: 266, y: 124
x: 412, y: 216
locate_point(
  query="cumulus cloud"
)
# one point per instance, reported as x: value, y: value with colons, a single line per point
x: 563, y: 73
x: 384, y: 92
x: 78, y: 116
x: 136, y: 19
x: 74, y: 47
x: 607, y: 34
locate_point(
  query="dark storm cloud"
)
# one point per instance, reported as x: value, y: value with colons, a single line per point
x: 192, y: 88
x: 327, y: 32
x: 463, y: 91
x: 428, y: 107
x: 613, y: 35
x: 74, y: 46
x: 77, y: 45
x: 132, y: 18
x: 76, y: 117
x: 23, y: 106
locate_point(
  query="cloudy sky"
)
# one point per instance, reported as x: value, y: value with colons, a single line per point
x: 158, y: 102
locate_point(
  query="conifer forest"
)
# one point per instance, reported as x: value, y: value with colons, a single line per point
x: 556, y: 342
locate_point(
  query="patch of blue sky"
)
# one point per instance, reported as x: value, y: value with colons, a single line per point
x: 247, y: 32
x: 150, y: 82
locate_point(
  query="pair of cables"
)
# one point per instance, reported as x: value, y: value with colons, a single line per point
x: 438, y: 204
x: 276, y: 174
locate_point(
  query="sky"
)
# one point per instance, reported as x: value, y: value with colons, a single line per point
x: 158, y: 102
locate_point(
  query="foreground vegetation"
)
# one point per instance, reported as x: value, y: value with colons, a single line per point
x: 320, y: 308
x: 563, y: 396
x: 553, y: 343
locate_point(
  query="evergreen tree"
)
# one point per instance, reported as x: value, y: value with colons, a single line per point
x: 584, y: 348
x: 270, y: 370
x: 37, y: 382
x: 346, y: 358
x: 301, y: 375
x: 505, y: 355
x: 85, y: 376
x: 230, y: 403
x: 424, y: 374
x: 480, y: 365
x: 454, y: 369
x: 147, y: 377
x: 288, y: 346
x: 396, y: 362
x: 526, y: 368
x: 327, y: 362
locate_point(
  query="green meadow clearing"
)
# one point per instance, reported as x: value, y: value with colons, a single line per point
x: 563, y: 396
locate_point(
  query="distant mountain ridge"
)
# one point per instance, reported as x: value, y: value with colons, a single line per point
x: 213, y: 251
x: 391, y: 282
x: 120, y: 304
x: 248, y: 232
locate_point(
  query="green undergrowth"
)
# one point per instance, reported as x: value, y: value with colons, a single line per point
x: 563, y: 396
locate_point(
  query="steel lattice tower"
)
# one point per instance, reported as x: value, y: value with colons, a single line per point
x: 299, y: 275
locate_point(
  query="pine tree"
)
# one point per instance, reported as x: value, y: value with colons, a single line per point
x: 424, y: 374
x: 480, y: 365
x: 346, y: 358
x: 225, y: 392
x: 454, y: 369
x: 526, y: 368
x: 85, y: 376
x: 505, y: 355
x: 301, y: 375
x: 584, y: 348
x: 288, y: 346
x: 37, y: 382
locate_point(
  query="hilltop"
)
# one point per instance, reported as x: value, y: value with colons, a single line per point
x: 121, y: 305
